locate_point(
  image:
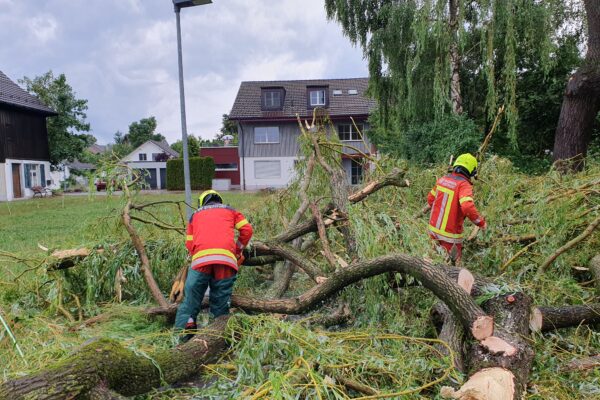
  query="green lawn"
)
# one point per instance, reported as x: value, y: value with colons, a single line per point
x: 64, y: 222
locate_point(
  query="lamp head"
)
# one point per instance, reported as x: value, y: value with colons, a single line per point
x: 190, y: 3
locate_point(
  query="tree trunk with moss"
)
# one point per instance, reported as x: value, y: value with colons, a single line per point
x: 105, y: 367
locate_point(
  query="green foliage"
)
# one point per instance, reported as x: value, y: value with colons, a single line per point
x: 431, y: 142
x: 202, y: 172
x: 140, y: 132
x: 502, y: 44
x: 193, y: 146
x: 64, y: 137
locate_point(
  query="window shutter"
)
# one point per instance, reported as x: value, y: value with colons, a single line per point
x: 267, y: 169
x: 27, y: 169
x: 43, y: 174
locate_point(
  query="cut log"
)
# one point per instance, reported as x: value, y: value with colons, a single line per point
x: 466, y: 280
x: 509, y: 348
x: 536, y: 320
x: 568, y: 316
x: 107, y: 366
x: 487, y: 384
x: 63, y: 259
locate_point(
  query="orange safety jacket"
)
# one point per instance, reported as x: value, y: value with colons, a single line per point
x: 211, y: 236
x: 451, y: 200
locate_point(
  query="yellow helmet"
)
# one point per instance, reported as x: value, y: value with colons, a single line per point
x: 468, y: 162
x: 209, y: 195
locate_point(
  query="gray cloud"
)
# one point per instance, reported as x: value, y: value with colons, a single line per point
x: 121, y: 54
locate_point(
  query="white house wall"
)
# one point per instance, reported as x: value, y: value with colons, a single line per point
x: 157, y: 165
x: 253, y: 183
x: 3, y: 182
x: 7, y: 181
x: 147, y: 148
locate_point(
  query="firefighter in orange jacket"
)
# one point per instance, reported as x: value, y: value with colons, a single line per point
x: 451, y: 200
x: 216, y: 256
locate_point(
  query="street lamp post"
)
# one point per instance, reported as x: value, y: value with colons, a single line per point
x: 179, y: 4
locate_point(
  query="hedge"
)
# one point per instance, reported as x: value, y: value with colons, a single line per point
x: 202, y: 172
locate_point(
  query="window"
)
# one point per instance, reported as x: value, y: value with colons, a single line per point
x: 35, y: 175
x: 156, y: 156
x: 317, y: 97
x: 266, y: 134
x: 272, y: 98
x: 337, y: 92
x: 348, y: 132
x: 356, y: 171
x: 142, y: 156
x: 267, y: 169
x: 226, y: 167
x: 352, y: 91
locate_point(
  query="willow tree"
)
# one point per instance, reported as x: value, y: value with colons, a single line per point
x: 418, y: 52
x: 581, y: 102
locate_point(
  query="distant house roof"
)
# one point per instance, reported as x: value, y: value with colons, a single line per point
x: 15, y: 96
x: 349, y: 98
x: 166, y: 148
x: 80, y: 165
x: 163, y: 145
x: 97, y: 148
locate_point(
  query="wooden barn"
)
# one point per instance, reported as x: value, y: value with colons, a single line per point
x: 24, y: 153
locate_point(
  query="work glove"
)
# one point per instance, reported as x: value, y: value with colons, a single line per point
x: 483, y: 225
x: 239, y: 255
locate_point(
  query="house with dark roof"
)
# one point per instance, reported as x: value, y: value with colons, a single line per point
x: 151, y: 157
x: 266, y: 113
x: 24, y: 152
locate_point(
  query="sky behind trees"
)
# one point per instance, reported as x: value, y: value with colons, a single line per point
x: 121, y: 55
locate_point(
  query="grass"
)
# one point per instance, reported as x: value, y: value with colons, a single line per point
x: 288, y: 360
x: 69, y: 221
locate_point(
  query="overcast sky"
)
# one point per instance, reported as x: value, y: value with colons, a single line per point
x: 121, y: 55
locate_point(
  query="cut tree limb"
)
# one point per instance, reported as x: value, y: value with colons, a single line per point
x: 587, y: 232
x: 395, y: 178
x: 106, y: 364
x: 141, y: 250
x: 568, y: 316
x: 595, y: 271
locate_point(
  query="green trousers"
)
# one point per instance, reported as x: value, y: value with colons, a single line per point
x: 195, y: 288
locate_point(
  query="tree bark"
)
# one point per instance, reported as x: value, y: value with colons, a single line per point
x: 568, y: 316
x: 581, y: 101
x: 104, y: 366
x: 455, y: 61
x: 141, y: 250
x: 595, y: 271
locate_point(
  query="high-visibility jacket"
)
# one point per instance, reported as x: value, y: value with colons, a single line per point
x: 211, y: 236
x: 451, y: 200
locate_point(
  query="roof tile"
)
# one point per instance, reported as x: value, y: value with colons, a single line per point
x: 12, y: 94
x: 247, y: 104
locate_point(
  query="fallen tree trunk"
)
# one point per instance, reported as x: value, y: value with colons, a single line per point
x: 568, y: 316
x: 106, y: 366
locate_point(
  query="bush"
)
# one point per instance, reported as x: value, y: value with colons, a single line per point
x: 435, y: 141
x: 202, y: 172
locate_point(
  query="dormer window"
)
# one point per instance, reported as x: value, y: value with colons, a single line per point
x: 272, y: 99
x: 317, y: 97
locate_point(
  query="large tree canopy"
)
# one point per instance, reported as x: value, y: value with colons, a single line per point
x: 431, y: 58
x: 141, y: 131
x: 64, y: 137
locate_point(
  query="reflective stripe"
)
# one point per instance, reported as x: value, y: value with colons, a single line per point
x: 477, y: 221
x: 213, y: 259
x: 465, y: 199
x: 441, y: 211
x: 241, y: 223
x: 210, y: 252
x: 446, y: 207
x: 189, y: 237
x: 442, y: 236
x: 445, y: 234
x: 432, y: 192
